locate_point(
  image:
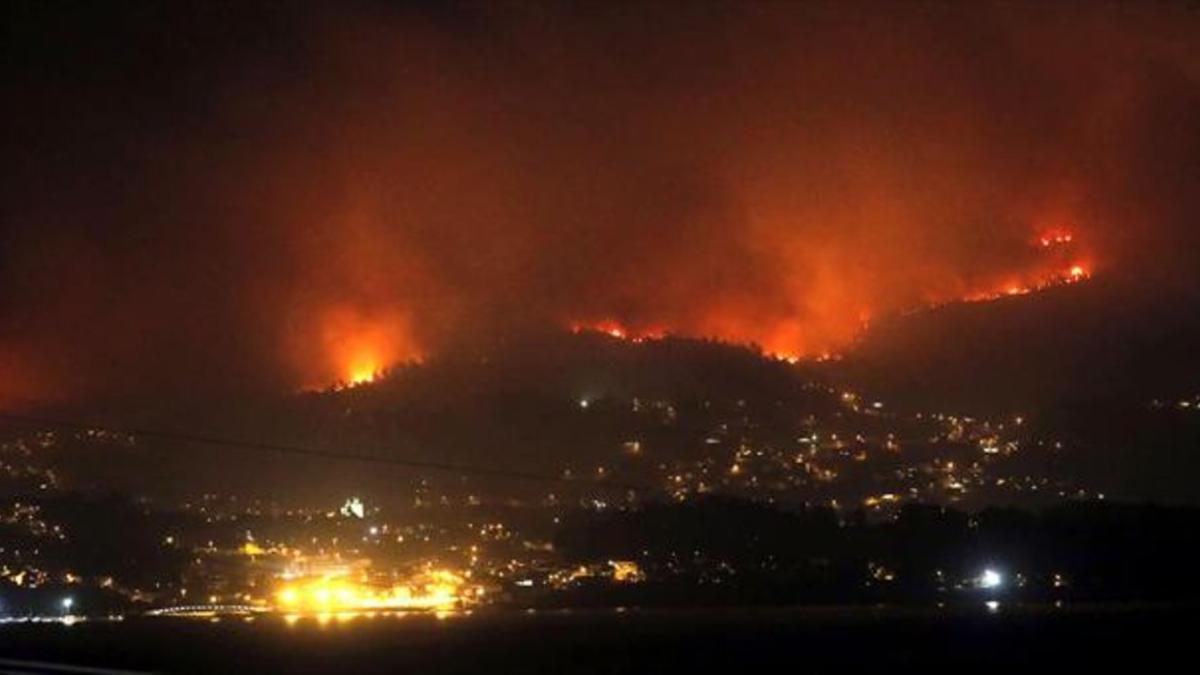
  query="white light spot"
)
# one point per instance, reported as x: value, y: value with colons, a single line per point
x: 990, y: 579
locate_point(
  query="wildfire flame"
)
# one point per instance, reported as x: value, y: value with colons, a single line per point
x: 363, y: 369
x: 357, y: 347
x: 1058, y: 244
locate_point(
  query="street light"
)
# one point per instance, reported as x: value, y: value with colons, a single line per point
x: 67, y: 602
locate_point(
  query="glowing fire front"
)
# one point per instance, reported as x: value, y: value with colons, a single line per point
x: 437, y: 590
x: 1060, y: 261
x: 358, y: 346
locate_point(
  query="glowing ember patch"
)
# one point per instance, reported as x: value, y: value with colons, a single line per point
x: 618, y: 332
x: 1056, y: 239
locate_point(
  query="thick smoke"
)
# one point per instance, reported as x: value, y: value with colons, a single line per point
x: 234, y: 198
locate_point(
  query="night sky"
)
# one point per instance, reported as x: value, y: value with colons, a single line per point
x: 260, y: 196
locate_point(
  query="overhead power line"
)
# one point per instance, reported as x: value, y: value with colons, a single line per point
x: 299, y: 450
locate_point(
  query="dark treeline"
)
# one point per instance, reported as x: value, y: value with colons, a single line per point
x: 721, y: 550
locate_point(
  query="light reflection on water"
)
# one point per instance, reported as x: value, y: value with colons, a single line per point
x: 816, y: 615
x: 324, y: 619
x: 552, y: 640
x: 352, y: 618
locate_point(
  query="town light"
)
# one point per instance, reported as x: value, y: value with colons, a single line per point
x: 990, y: 579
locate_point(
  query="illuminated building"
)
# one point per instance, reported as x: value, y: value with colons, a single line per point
x: 433, y: 590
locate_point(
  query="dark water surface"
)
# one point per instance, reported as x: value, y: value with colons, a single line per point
x: 819, y: 640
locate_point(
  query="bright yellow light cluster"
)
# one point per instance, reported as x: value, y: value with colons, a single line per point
x: 441, y: 590
x: 626, y: 571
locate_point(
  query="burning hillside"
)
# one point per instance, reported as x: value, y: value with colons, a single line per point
x: 403, y: 186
